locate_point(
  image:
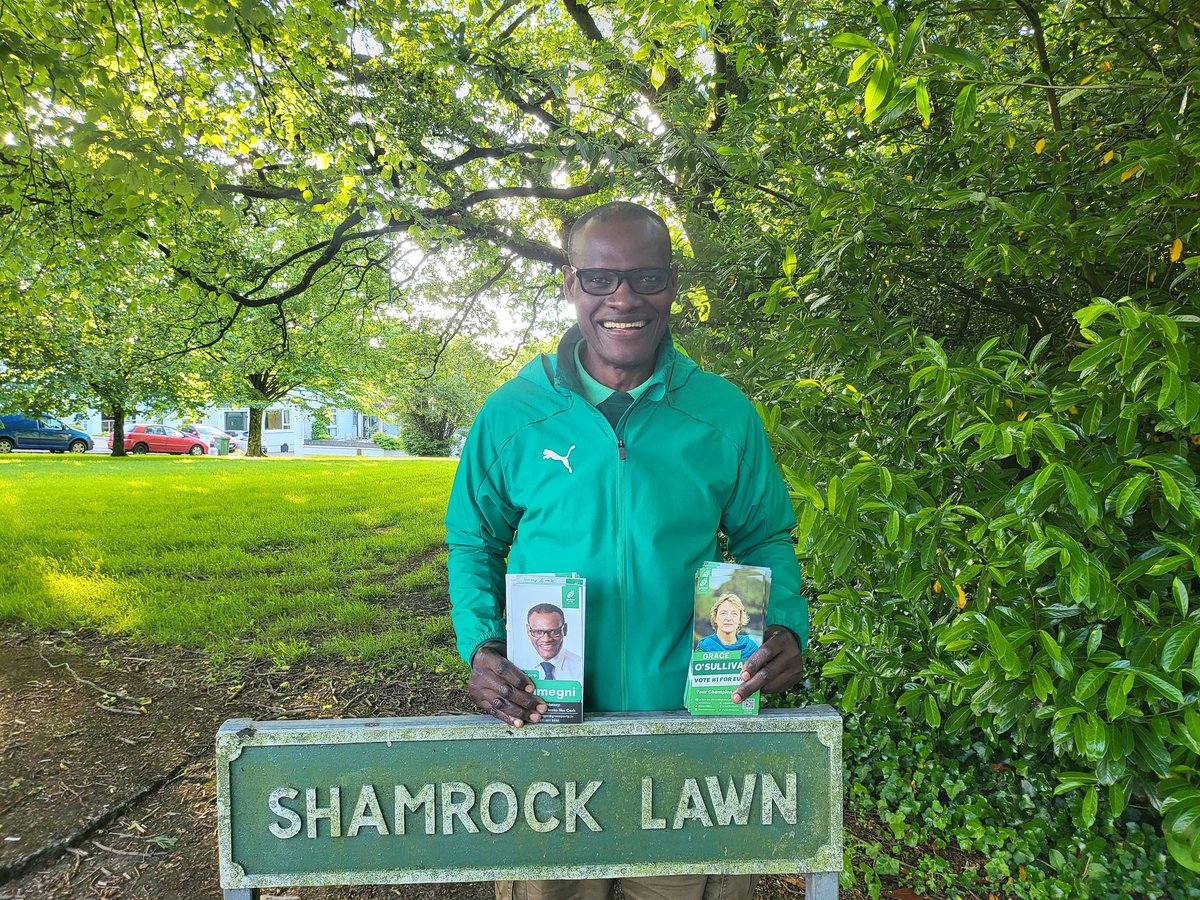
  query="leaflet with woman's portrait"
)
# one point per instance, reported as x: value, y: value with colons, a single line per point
x: 731, y: 609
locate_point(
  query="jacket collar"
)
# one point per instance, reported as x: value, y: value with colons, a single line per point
x: 670, y: 370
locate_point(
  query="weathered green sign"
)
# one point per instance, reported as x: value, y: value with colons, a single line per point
x: 382, y: 801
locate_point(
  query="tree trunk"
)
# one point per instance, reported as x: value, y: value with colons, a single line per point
x: 118, y: 432
x: 254, y: 445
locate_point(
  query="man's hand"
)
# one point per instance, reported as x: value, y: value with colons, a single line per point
x: 501, y: 689
x: 775, y: 666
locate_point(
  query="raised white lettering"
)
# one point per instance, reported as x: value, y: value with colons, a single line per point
x: 540, y: 825
x: 691, y: 805
x: 729, y: 807
x: 283, y: 832
x: 406, y: 802
x: 576, y: 808
x: 367, y: 813
x: 649, y: 822
x: 332, y: 812
x: 773, y: 797
x: 510, y: 810
x: 457, y: 809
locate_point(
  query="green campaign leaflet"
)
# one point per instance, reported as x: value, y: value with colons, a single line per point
x: 545, y: 639
x: 730, y: 614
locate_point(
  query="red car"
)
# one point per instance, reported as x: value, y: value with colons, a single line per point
x: 161, y: 439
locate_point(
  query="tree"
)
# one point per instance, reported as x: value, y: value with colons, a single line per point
x: 114, y: 346
x: 436, y: 406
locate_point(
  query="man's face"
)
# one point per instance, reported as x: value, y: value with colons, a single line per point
x: 729, y: 618
x: 622, y: 330
x: 546, y: 631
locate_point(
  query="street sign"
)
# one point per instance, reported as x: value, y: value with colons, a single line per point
x: 465, y: 798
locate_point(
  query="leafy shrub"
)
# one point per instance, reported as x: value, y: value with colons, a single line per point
x: 1005, y: 541
x: 426, y: 430
x: 320, y: 426
x: 931, y: 792
x: 387, y: 441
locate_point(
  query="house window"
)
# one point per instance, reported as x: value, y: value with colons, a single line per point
x: 279, y: 419
x: 237, y: 420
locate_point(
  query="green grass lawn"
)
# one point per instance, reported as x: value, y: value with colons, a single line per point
x: 237, y: 557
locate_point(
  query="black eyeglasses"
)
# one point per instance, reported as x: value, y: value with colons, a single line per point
x: 546, y: 632
x: 602, y: 282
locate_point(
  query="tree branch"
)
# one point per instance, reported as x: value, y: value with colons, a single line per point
x: 1039, y: 38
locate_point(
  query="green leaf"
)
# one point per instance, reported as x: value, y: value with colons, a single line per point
x: 958, y: 56
x: 1152, y: 752
x: 1131, y: 495
x: 1043, y: 687
x: 1071, y: 781
x: 878, y: 88
x: 1164, y: 688
x: 1117, y: 695
x: 1182, y: 816
x: 1191, y: 721
x: 1118, y: 796
x: 1178, y: 645
x: 964, y: 110
x: 887, y: 22
x: 219, y: 26
x: 789, y: 262
x: 1092, y: 357
x: 1126, y: 434
x: 924, y: 105
x: 1133, y: 345
x: 1082, y: 497
x: 1050, y: 646
x: 1000, y: 647
x: 911, y: 35
x: 658, y: 74
x: 859, y: 67
x: 932, y: 714
x: 1089, y: 683
x: 1170, y: 488
x: 1087, y: 812
x: 1180, y: 592
x: 1035, y: 556
x: 1187, y: 405
x: 936, y: 351
x: 1090, y: 421
x: 849, y: 41
x: 1169, y: 390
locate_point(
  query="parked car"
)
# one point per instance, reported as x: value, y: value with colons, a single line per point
x: 243, y: 441
x: 210, y: 433
x: 154, y: 438
x: 41, y: 433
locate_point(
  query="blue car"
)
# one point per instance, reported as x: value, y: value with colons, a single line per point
x: 41, y: 433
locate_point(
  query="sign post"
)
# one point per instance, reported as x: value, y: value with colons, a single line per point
x: 465, y: 798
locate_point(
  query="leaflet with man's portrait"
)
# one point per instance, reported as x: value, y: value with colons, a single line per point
x: 545, y: 639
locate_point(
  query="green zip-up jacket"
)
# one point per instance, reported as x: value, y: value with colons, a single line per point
x: 546, y: 484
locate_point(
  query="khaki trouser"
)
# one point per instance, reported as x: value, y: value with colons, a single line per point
x: 667, y: 887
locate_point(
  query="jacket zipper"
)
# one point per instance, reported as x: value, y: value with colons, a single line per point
x: 621, y: 567
x: 622, y: 556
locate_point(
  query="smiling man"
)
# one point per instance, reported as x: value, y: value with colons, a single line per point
x: 546, y: 626
x: 619, y: 458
